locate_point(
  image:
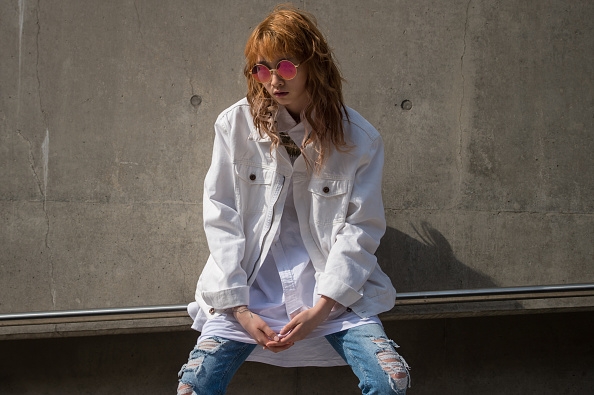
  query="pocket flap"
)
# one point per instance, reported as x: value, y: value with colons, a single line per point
x: 328, y: 187
x: 253, y: 174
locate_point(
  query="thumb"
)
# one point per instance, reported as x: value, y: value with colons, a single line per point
x: 288, y: 328
x: 270, y: 334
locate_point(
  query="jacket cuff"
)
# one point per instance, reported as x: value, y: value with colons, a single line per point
x: 227, y: 298
x: 332, y: 287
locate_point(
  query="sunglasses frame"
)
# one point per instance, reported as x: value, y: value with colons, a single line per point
x: 254, y: 74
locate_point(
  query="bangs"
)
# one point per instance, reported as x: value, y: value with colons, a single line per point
x: 272, y: 41
x: 291, y: 33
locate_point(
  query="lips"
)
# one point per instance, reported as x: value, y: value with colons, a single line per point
x: 280, y: 94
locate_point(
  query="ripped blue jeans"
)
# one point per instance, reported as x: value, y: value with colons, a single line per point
x: 366, y: 348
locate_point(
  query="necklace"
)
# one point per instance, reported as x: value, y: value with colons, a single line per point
x: 292, y: 148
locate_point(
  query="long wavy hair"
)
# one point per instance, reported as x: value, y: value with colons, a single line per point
x: 288, y: 31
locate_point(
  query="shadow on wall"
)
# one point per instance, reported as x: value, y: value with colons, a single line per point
x: 425, y: 265
x: 429, y: 265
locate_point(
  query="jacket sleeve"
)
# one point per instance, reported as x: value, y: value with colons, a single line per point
x: 351, y: 258
x: 223, y: 282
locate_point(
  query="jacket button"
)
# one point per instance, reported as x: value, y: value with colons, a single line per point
x: 326, y: 189
x: 252, y: 177
x: 212, y: 310
x: 349, y: 309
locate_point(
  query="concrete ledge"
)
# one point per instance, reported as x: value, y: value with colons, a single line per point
x: 102, y: 323
x: 180, y: 324
x: 458, y: 311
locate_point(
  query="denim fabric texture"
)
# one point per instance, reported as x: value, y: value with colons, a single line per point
x: 366, y: 348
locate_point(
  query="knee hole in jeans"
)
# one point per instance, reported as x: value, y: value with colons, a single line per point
x: 393, y: 364
x: 184, y: 389
x: 209, y: 344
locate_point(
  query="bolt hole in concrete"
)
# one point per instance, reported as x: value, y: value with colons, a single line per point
x: 195, y: 100
x: 406, y: 105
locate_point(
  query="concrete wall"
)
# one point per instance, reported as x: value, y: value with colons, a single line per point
x: 486, y: 109
x: 487, y: 112
x: 488, y: 177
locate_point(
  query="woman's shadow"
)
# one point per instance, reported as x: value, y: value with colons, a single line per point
x: 429, y: 264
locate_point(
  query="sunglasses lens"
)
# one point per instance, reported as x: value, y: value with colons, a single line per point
x: 286, y: 69
x: 261, y: 73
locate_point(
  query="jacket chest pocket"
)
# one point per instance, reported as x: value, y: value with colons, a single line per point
x: 252, y: 188
x: 329, y: 200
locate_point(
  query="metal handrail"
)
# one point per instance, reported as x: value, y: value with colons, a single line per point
x: 495, y: 294
x: 405, y: 298
x: 93, y: 312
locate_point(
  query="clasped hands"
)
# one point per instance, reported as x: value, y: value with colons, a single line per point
x: 297, y: 329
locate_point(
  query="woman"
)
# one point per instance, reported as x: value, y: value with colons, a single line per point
x: 293, y: 215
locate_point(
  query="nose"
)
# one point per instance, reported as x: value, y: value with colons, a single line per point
x: 275, y: 79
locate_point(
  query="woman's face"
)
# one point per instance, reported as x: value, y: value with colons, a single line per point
x: 289, y: 93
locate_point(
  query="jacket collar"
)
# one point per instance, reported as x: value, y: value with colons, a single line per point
x: 284, y: 121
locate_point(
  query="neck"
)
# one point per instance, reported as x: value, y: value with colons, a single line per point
x: 296, y: 116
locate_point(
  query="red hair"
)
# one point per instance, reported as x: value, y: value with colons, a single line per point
x: 288, y: 31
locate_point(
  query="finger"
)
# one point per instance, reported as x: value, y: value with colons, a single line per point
x: 294, y: 335
x: 279, y: 343
x: 289, y: 327
x: 277, y: 349
x: 290, y: 338
x: 261, y: 338
x: 269, y: 333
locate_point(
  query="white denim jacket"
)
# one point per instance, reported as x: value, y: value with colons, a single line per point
x: 340, y: 213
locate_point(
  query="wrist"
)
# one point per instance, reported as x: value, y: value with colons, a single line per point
x: 238, y: 310
x: 325, y: 304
